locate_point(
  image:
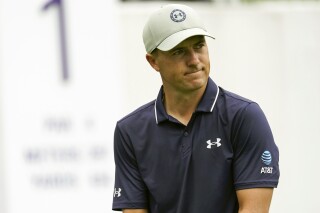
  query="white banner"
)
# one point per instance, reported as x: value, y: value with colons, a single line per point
x: 59, y: 105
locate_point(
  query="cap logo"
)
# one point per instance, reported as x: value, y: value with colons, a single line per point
x: 177, y: 15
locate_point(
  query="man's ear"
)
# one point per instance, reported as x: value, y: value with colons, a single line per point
x: 152, y: 61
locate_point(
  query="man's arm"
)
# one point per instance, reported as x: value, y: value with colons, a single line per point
x: 255, y: 200
x: 135, y: 211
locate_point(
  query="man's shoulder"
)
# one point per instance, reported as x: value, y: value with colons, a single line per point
x: 235, y: 106
x: 141, y: 112
x: 231, y: 103
x: 233, y: 97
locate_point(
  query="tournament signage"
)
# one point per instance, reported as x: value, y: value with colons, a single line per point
x: 62, y: 32
x: 57, y: 111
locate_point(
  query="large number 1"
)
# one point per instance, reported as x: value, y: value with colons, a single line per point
x: 63, y: 39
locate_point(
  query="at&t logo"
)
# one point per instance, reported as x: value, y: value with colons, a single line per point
x: 266, y: 158
x: 266, y: 170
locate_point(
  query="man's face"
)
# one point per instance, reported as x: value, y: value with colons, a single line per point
x: 186, y: 67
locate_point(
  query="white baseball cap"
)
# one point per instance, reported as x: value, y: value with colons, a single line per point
x: 170, y: 25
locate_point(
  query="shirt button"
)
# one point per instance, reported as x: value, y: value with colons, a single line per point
x: 186, y: 133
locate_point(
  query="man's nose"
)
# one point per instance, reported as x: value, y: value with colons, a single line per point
x: 193, y: 57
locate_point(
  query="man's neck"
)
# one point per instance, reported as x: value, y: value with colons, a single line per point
x: 182, y: 106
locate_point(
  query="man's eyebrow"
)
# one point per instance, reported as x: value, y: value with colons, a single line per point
x: 200, y: 41
x: 176, y: 48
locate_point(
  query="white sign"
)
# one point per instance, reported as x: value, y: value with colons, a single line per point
x: 59, y: 104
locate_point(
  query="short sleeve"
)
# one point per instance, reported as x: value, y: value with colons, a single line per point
x: 129, y: 190
x: 256, y: 156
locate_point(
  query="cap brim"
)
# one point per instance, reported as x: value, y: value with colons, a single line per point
x: 173, y: 40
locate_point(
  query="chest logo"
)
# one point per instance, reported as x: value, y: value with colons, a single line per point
x: 217, y: 143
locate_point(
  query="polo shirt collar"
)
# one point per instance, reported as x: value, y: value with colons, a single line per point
x: 206, y: 104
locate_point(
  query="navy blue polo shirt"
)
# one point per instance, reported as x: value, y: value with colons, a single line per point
x: 167, y: 167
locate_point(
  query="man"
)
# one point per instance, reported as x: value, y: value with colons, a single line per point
x: 197, y: 148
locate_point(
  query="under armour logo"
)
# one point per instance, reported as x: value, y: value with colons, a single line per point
x: 177, y: 15
x: 117, y: 192
x: 217, y: 143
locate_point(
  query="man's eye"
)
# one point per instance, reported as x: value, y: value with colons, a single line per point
x: 177, y: 52
x: 199, y: 46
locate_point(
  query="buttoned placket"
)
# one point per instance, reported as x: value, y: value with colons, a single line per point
x: 186, y: 142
